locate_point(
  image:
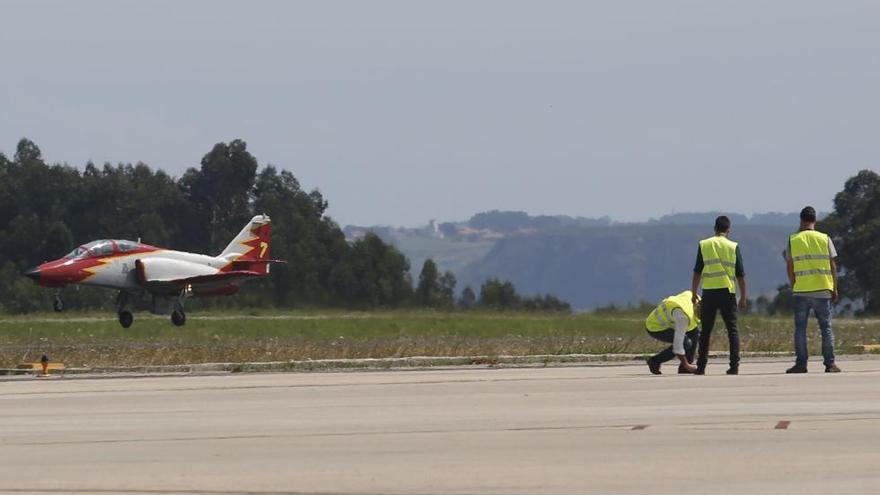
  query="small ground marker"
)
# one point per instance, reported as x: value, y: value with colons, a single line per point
x: 43, y: 366
x: 782, y: 425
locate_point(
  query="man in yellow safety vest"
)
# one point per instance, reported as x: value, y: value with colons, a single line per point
x: 719, y: 267
x: 812, y: 272
x: 676, y: 321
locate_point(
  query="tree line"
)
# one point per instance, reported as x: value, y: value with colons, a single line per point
x: 438, y: 291
x: 47, y: 210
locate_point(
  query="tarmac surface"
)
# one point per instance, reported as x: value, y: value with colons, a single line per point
x: 609, y: 429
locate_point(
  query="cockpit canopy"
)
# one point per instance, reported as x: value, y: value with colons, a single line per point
x: 104, y: 247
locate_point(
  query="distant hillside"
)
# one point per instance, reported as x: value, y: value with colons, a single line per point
x: 708, y: 218
x: 518, y: 221
x: 622, y: 264
x: 589, y: 262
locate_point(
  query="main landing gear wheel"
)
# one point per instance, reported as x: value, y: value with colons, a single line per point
x: 178, y: 317
x: 58, y: 304
x: 126, y: 318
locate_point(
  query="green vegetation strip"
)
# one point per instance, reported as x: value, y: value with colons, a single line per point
x: 96, y: 341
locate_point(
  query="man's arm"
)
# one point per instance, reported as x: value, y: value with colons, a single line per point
x: 740, y: 273
x: 789, y: 265
x: 698, y: 274
x: 832, y: 251
x: 835, y: 295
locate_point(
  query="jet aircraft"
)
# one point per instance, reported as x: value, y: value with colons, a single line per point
x: 157, y: 279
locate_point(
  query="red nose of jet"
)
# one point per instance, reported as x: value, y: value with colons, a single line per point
x: 33, y: 274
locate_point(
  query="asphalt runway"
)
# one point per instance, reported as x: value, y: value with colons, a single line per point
x: 577, y: 430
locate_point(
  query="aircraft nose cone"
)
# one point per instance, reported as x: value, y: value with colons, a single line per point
x: 33, y: 274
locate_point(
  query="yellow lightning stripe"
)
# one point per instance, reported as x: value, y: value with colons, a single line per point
x: 244, y: 244
x: 93, y: 270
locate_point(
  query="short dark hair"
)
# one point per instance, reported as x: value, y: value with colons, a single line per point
x: 722, y: 224
x: 808, y: 214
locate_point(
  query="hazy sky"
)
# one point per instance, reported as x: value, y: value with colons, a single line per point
x: 404, y: 111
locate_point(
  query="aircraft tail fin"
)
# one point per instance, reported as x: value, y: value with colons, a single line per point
x: 252, y: 243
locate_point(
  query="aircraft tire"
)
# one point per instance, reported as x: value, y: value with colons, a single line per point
x: 178, y: 317
x: 58, y: 304
x: 126, y: 318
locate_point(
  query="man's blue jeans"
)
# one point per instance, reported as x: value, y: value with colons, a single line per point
x: 822, y: 309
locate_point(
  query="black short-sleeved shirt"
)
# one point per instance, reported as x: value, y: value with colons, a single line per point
x: 740, y: 272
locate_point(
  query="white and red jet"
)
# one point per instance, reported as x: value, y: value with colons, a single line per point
x: 158, y: 279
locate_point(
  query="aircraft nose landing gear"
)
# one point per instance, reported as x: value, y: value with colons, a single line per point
x: 126, y: 318
x: 178, y: 317
x: 58, y: 303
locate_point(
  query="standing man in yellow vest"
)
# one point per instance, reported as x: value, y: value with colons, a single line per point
x: 812, y: 272
x: 719, y: 266
x: 676, y: 321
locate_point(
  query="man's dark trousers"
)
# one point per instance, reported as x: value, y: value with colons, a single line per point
x: 715, y: 300
x: 690, y: 344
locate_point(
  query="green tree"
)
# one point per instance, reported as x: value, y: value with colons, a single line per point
x: 221, y: 188
x: 855, y: 227
x: 58, y: 240
x: 131, y: 202
x: 468, y: 299
x: 428, y: 291
x: 317, y: 269
x: 501, y: 294
x: 18, y: 294
x: 447, y: 289
x: 28, y: 153
x: 380, y: 274
x: 435, y: 290
x: 498, y: 294
x: 35, y: 198
x: 548, y: 302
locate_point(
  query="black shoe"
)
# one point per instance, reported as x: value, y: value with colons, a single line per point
x: 682, y: 371
x: 733, y: 370
x: 798, y: 368
x: 653, y: 366
x: 832, y: 368
x: 700, y: 371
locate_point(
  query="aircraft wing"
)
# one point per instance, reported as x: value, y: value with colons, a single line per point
x: 221, y: 278
x: 202, y: 283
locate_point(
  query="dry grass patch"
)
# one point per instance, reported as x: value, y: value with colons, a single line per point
x: 93, y: 340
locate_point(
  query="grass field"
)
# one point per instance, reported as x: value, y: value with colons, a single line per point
x: 97, y: 340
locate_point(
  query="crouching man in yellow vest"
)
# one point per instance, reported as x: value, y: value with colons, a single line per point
x: 812, y: 271
x: 676, y: 321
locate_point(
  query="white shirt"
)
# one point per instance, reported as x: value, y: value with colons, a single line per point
x: 681, y: 326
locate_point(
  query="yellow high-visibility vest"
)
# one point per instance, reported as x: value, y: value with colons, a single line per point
x: 719, y: 263
x: 661, y: 318
x: 812, y: 261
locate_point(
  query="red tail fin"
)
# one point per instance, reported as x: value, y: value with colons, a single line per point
x: 252, y: 243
